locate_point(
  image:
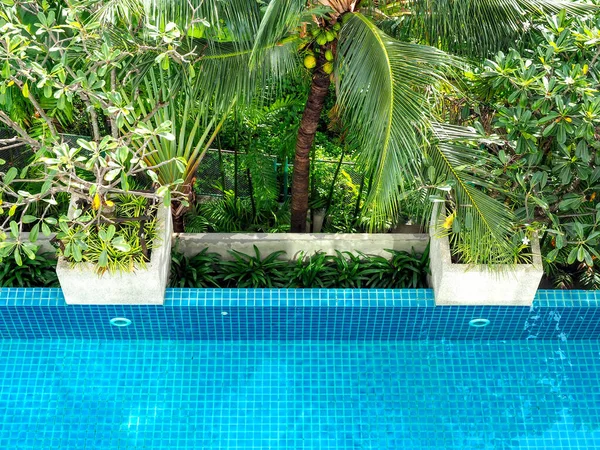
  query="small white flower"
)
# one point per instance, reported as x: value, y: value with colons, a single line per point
x: 569, y: 80
x: 525, y: 241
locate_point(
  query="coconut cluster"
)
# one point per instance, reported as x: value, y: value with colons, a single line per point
x: 322, y: 36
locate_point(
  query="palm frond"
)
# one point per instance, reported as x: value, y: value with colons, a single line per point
x: 225, y: 72
x: 280, y: 17
x: 182, y: 12
x: 124, y: 11
x: 194, y: 131
x: 482, y: 225
x: 473, y: 26
x: 381, y: 96
x: 229, y: 20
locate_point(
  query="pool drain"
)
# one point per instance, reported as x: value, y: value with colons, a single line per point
x: 120, y: 322
x: 479, y: 323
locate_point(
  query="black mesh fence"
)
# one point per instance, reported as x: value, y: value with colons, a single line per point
x: 347, y: 185
x: 20, y: 155
x: 14, y: 155
x: 224, y: 170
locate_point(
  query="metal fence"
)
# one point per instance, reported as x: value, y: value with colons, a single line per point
x: 222, y: 170
x: 14, y: 156
x: 226, y: 170
x: 21, y: 155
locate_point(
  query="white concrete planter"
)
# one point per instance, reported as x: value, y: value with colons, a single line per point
x: 82, y: 286
x: 191, y: 244
x: 462, y: 284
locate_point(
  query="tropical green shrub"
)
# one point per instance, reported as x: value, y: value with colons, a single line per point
x: 254, y: 271
x: 57, y: 58
x: 543, y: 102
x: 268, y: 129
x: 342, y: 270
x: 402, y: 270
x: 119, y: 240
x: 313, y: 271
x: 235, y: 214
x: 348, y: 271
x: 37, y: 272
x: 198, y: 271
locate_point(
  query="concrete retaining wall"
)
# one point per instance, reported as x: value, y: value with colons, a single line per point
x: 294, y: 243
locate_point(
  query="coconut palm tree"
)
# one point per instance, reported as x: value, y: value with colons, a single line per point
x: 381, y: 82
x: 383, y: 57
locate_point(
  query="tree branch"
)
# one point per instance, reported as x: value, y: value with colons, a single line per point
x: 15, y: 126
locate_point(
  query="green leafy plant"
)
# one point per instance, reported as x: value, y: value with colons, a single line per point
x: 254, y: 271
x: 343, y: 270
x: 59, y: 58
x: 382, y: 82
x: 402, y: 271
x: 37, y: 272
x: 176, y: 160
x: 347, y: 271
x: 119, y: 242
x: 235, y: 214
x: 541, y: 98
x: 314, y: 271
x: 198, y: 271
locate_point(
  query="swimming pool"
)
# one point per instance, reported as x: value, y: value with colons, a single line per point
x: 284, y: 369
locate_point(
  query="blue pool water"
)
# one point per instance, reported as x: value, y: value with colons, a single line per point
x: 287, y: 369
x: 99, y: 394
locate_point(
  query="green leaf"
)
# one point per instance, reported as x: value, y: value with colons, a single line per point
x: 164, y: 64
x: 14, y: 229
x: 167, y: 199
x: 29, y: 249
x: 10, y: 175
x: 551, y: 256
x: 103, y: 259
x: 110, y: 232
x: 120, y: 244
x: 112, y: 174
x: 152, y: 175
x: 25, y: 90
x: 572, y: 202
x: 17, y: 256
x: 588, y: 259
x: 46, y: 186
x: 572, y: 255
x: 431, y: 174
x: 33, y: 234
x: 124, y: 181
x: 581, y: 254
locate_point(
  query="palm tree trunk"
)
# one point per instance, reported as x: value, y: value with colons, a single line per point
x: 177, y: 215
x: 178, y: 210
x: 306, y: 135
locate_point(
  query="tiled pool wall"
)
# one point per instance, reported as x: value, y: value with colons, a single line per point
x: 289, y: 314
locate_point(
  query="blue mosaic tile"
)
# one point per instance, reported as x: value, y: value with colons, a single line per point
x: 325, y: 395
x: 288, y: 314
